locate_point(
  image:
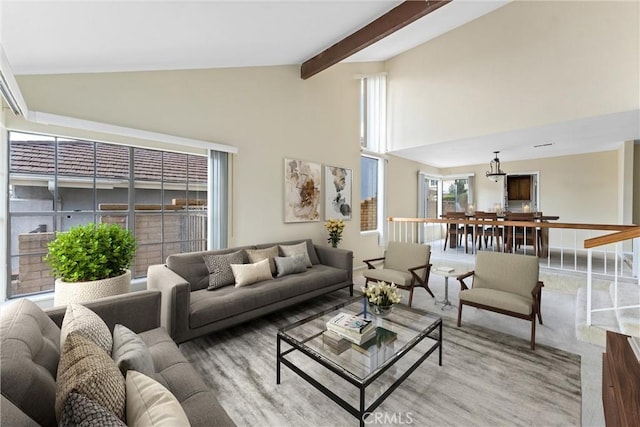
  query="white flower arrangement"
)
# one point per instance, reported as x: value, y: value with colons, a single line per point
x: 382, y: 294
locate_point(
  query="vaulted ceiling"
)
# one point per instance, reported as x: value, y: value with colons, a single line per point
x: 55, y: 36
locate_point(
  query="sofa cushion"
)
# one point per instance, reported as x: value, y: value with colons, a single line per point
x: 172, y: 369
x: 130, y: 352
x: 150, y: 404
x: 191, y: 266
x: 208, y: 307
x: 246, y: 274
x: 311, y: 249
x: 269, y: 253
x: 85, y: 368
x: 290, y: 265
x: 85, y: 322
x: 80, y: 411
x: 298, y: 249
x: 29, y: 355
x: 498, y: 299
x: 219, y: 267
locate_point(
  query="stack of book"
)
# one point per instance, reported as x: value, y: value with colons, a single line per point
x: 356, y: 329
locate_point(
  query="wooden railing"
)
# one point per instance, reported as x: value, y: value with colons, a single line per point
x: 617, y: 238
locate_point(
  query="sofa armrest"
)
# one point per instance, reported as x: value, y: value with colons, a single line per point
x: 138, y: 311
x: 338, y: 258
x: 176, y: 295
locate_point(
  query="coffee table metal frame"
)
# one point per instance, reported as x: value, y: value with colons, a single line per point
x: 361, y: 383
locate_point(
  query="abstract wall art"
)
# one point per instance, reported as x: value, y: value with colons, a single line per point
x: 338, y: 194
x: 302, y: 195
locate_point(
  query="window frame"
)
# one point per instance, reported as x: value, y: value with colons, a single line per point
x: 215, y: 158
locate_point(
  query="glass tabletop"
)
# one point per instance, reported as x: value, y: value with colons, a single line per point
x: 397, y: 332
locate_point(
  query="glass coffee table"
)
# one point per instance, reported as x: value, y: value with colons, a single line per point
x: 405, y: 334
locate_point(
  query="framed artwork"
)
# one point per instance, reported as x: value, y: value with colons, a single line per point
x: 302, y: 190
x: 337, y: 202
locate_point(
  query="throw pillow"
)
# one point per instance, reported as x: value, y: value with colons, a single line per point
x: 299, y: 249
x: 150, y: 404
x: 130, y: 352
x: 84, y: 368
x: 219, y: 267
x: 256, y: 255
x: 80, y: 411
x: 247, y: 274
x: 82, y: 320
x: 290, y: 265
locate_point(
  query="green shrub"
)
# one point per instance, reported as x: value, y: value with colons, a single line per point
x: 91, y: 252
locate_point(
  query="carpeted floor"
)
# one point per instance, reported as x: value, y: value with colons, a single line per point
x: 487, y: 378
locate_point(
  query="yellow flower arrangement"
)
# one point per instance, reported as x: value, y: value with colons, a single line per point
x: 335, y: 228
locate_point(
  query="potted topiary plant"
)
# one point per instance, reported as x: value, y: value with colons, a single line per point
x: 91, y: 261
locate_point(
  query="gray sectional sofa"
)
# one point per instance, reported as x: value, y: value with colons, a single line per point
x: 190, y: 310
x: 30, y: 352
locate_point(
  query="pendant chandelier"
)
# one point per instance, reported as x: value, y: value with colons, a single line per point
x: 495, y: 172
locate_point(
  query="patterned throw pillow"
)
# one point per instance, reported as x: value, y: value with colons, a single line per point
x: 290, y: 265
x: 299, y: 249
x: 219, y: 267
x: 150, y: 404
x: 84, y: 368
x: 256, y: 255
x: 246, y: 274
x: 82, y: 320
x: 130, y: 352
x: 80, y: 411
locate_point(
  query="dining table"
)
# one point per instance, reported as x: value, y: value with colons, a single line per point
x: 543, y: 249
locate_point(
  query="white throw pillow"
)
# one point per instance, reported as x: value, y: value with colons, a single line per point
x: 85, y: 322
x: 293, y: 250
x: 247, y: 274
x: 150, y: 404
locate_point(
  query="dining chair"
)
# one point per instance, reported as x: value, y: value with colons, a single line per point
x: 491, y: 231
x: 519, y: 236
x: 457, y: 231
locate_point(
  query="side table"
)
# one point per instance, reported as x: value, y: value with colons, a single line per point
x: 446, y: 273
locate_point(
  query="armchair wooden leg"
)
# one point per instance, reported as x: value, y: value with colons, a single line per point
x: 411, y: 296
x: 459, y: 312
x: 533, y: 333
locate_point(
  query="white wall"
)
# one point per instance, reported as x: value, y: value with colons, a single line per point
x: 528, y: 64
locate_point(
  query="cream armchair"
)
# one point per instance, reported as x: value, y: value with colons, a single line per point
x: 506, y: 284
x: 405, y: 264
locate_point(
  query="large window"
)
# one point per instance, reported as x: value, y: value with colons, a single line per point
x: 369, y: 185
x: 56, y: 183
x: 455, y: 195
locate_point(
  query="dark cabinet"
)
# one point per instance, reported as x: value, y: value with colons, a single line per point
x: 519, y: 187
x: 620, y: 383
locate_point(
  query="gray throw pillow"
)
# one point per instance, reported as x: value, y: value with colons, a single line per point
x: 219, y: 267
x: 80, y: 411
x: 290, y: 265
x: 130, y: 352
x: 299, y: 249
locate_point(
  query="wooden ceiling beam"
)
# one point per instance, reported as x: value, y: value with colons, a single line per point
x: 397, y: 18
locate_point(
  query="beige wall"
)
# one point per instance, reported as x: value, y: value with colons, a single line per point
x: 580, y: 188
x: 268, y: 113
x: 528, y: 64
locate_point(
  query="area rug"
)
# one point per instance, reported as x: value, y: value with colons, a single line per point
x: 487, y: 378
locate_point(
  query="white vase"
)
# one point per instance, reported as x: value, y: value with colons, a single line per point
x: 75, y: 292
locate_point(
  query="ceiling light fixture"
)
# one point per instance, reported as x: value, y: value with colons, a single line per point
x: 495, y: 172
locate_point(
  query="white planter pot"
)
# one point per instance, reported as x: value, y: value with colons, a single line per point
x: 76, y: 292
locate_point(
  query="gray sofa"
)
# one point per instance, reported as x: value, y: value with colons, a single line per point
x: 30, y: 352
x: 189, y: 310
